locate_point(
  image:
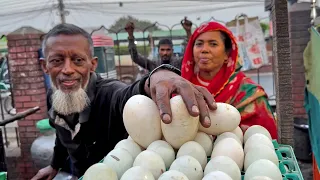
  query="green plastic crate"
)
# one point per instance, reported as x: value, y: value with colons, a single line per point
x: 3, y: 175
x: 288, y: 163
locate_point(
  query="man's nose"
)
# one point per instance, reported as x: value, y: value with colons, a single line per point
x: 68, y: 67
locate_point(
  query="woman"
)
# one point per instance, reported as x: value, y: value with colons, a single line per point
x: 211, y: 61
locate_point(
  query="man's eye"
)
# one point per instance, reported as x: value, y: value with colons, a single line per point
x: 78, y: 60
x: 56, y: 61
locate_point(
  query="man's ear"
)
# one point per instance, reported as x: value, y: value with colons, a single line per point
x: 43, y: 64
x: 94, y: 62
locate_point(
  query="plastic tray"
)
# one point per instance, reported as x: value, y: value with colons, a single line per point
x: 288, y: 163
x: 3, y: 175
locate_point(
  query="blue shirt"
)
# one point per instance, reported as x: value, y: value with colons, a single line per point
x: 46, y: 76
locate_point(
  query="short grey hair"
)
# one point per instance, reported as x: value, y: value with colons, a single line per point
x: 67, y: 29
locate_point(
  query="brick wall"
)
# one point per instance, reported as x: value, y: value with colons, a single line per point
x: 299, y: 22
x: 28, y: 92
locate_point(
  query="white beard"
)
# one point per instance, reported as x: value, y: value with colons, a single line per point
x: 69, y: 103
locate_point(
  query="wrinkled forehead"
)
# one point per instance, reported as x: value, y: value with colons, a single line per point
x: 67, y: 43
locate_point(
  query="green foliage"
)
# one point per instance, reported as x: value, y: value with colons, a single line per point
x: 264, y: 27
x: 139, y: 24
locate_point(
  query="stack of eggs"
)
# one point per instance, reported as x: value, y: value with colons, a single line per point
x: 179, y: 150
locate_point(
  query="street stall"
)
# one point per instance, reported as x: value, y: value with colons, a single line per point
x: 158, y: 151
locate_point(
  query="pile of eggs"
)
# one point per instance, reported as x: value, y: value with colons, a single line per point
x: 179, y: 150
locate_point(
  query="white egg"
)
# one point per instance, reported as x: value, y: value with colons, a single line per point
x: 164, y: 150
x: 260, y: 178
x: 137, y: 173
x: 260, y: 152
x: 195, y: 150
x: 173, y: 175
x: 257, y: 139
x: 141, y: 116
x: 189, y: 166
x: 100, y: 171
x: 217, y: 175
x: 231, y: 148
x: 263, y: 167
x: 151, y: 161
x: 206, y: 141
x: 227, y: 135
x: 120, y: 160
x: 256, y: 129
x: 224, y: 119
x: 183, y: 127
x: 224, y: 164
x: 239, y: 133
x: 132, y: 147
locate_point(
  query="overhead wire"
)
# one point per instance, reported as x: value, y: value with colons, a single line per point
x: 153, y: 12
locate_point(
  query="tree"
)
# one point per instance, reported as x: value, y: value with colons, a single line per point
x: 264, y: 27
x: 139, y: 24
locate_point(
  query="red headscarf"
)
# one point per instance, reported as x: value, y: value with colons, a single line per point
x: 230, y: 85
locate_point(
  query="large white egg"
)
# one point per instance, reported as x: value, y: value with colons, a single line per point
x: 183, y: 127
x: 120, y: 160
x: 256, y: 129
x: 189, y: 166
x: 260, y: 152
x: 231, y: 148
x: 206, y: 141
x: 151, y: 161
x: 257, y: 139
x: 239, y: 133
x: 227, y: 135
x: 100, y: 171
x: 132, y: 147
x: 263, y: 167
x: 137, y: 173
x: 260, y: 178
x: 224, y: 119
x: 173, y: 175
x: 164, y: 150
x: 195, y: 150
x: 224, y: 164
x: 141, y: 119
x: 217, y: 175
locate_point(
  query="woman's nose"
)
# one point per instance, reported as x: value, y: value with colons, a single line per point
x: 205, y: 48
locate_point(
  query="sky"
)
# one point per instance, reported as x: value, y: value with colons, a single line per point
x: 43, y: 14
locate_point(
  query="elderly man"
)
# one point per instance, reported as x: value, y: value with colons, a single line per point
x: 86, y: 110
x: 165, y: 49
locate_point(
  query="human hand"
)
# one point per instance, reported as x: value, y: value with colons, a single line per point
x: 130, y: 28
x: 186, y: 24
x: 164, y: 83
x: 47, y: 173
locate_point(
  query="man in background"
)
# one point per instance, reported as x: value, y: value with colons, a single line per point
x: 165, y: 49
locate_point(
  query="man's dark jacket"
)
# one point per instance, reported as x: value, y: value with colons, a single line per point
x: 101, y: 124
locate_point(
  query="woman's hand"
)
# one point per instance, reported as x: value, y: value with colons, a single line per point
x: 164, y: 83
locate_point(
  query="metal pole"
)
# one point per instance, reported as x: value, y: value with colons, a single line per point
x: 313, y: 14
x: 61, y: 11
x: 3, y: 163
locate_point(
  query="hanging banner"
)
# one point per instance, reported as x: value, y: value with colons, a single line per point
x: 251, y: 41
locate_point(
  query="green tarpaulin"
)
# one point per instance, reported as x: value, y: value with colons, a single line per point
x: 312, y: 95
